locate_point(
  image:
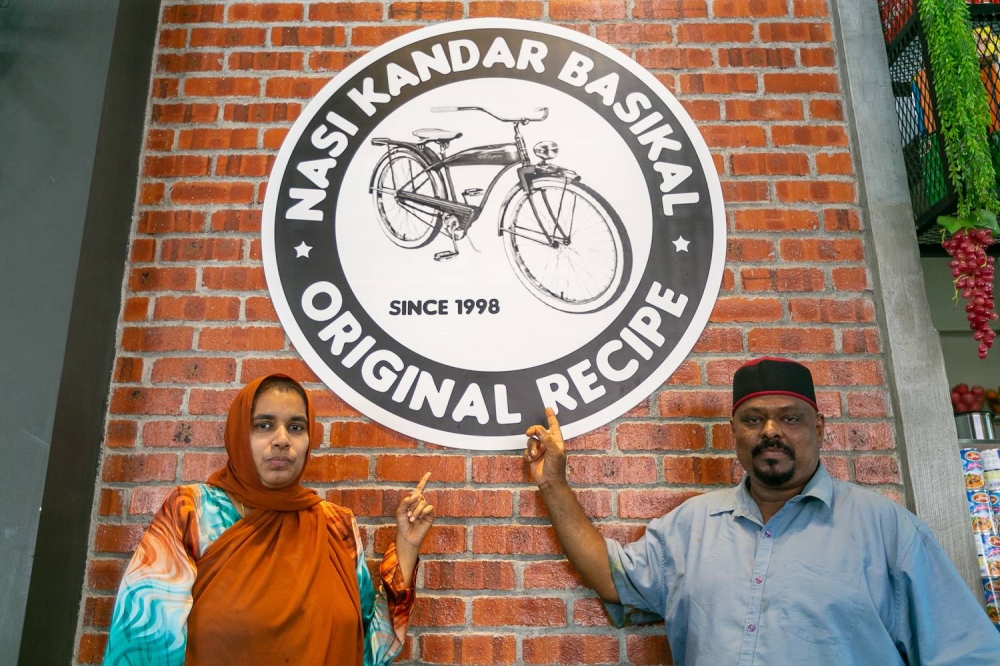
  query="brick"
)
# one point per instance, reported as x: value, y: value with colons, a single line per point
x: 720, y: 373
x: 244, y: 165
x: 346, y: 12
x: 139, y: 467
x: 266, y: 61
x: 850, y: 279
x: 376, y: 36
x: 173, y: 38
x: 818, y: 57
x: 605, y: 470
x: 722, y: 438
x: 864, y: 341
x: 221, y: 86
x: 128, y: 370
x: 704, y: 470
x: 648, y: 650
x: 829, y: 403
x: 469, y: 575
x: 163, y: 221
x: 165, y: 88
x: 184, y: 113
x: 836, y: 164
x: 746, y: 190
x: 660, y: 436
x: 330, y: 468
x: 595, y: 503
x: 212, y: 193
x: 217, y: 139
x: 236, y: 220
x: 234, y: 278
x: 210, y: 401
x: 809, y: 135
x: 792, y: 84
x: 551, y: 575
x: 368, y: 501
x: 771, y: 164
x: 151, y: 193
x: 840, y: 219
x: 687, y: 374
x: 441, y: 540
x: 867, y: 404
x: 828, y: 310
x: 197, y: 308
x: 194, y: 370
x: 764, y: 109
x: 425, y: 11
x: 589, y: 612
x: 674, y: 58
x: 98, y: 611
x: 633, y: 33
x: 143, y: 250
x: 269, y: 12
x: 804, y: 8
x: 467, y: 648
x: 749, y: 8
x: 749, y: 249
x: 473, y: 503
x: 163, y: 338
x: 147, y: 500
x: 669, y: 9
x: 837, y: 466
x: 263, y: 113
x: 260, y: 309
x: 519, y: 612
x: 162, y: 279
x: 847, y: 373
x: 570, y: 649
x: 368, y: 435
x: 740, y: 309
x: 293, y: 367
x: 650, y: 503
x: 719, y: 84
x: 432, y: 611
x: 308, y: 36
x: 719, y: 340
x: 714, y: 32
x: 702, y: 109
x: 809, y: 249
x: 859, y: 437
x: 782, y: 279
x: 273, y: 138
x: 91, y: 648
x: 105, y: 574
x: 734, y: 136
x: 695, y: 404
x: 876, y: 469
x: 826, y: 109
x: 795, y: 32
x: 174, y: 63
x: 120, y: 434
x: 199, y: 466
x: 111, y: 502
x: 410, y: 468
x: 298, y: 87
x: 140, y: 400
x: 208, y: 13
x: 228, y: 37
x: 172, y: 433
x: 782, y: 58
x: 136, y: 308
x: 329, y: 405
x: 177, y: 165
x: 201, y: 249
x: 795, y: 340
x: 509, y: 539
x: 121, y: 539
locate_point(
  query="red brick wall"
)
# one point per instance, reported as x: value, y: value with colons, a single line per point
x: 760, y: 78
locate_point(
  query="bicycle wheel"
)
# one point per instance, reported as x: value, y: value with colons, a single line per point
x: 567, y: 245
x: 406, y: 223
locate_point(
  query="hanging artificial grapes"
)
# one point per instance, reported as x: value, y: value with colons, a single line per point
x: 973, y: 273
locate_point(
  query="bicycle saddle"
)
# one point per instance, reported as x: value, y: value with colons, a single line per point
x: 431, y: 134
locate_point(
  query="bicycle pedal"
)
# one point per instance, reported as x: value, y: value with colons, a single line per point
x: 473, y: 192
x: 445, y: 255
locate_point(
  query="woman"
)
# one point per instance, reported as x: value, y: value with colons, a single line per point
x: 252, y: 568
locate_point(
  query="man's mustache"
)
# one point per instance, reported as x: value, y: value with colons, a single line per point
x: 773, y: 444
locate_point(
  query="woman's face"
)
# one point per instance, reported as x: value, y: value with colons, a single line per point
x: 279, y: 437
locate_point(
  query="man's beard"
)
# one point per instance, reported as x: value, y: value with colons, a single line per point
x: 768, y: 474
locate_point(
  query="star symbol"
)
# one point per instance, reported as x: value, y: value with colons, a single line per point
x: 681, y: 244
x: 302, y: 250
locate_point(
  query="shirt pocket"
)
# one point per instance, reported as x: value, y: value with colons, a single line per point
x: 820, y: 604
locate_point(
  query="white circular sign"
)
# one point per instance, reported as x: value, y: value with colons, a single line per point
x: 487, y: 217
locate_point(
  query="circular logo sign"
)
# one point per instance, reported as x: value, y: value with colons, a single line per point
x: 487, y: 217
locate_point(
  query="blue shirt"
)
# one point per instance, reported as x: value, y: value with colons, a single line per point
x: 840, y: 575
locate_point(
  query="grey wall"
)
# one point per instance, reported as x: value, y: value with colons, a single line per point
x: 65, y: 125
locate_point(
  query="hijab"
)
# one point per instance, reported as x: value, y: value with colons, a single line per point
x: 280, y: 585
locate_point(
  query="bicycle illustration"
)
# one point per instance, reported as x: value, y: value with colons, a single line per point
x: 566, y: 244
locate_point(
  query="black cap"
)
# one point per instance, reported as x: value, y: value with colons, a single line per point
x: 773, y: 376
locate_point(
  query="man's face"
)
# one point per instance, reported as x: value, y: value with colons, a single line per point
x: 777, y: 440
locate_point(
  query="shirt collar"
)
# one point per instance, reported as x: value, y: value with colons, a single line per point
x: 738, y: 500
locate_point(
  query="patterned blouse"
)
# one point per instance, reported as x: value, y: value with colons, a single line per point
x: 149, y: 625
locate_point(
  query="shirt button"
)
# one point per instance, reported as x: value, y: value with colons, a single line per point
x: 767, y: 534
x: 752, y: 628
x: 758, y: 580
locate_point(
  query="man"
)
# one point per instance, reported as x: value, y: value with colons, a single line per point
x: 789, y: 567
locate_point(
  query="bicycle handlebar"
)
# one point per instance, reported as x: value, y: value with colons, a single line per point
x: 524, y: 120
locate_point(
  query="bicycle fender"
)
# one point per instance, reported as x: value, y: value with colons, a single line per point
x: 420, y: 151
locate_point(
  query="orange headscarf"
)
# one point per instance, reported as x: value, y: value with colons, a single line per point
x: 279, y: 586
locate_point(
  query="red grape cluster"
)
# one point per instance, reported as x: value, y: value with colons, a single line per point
x: 973, y: 272
x: 965, y: 399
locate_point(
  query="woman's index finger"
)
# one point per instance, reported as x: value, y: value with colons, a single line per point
x: 550, y: 416
x: 423, y: 482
